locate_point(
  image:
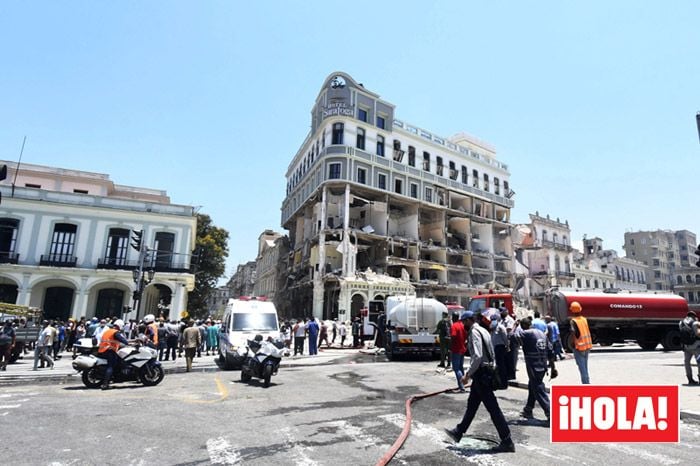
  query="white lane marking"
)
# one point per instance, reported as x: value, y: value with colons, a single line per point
x: 299, y: 451
x: 9, y: 406
x: 641, y: 454
x: 5, y: 413
x: 7, y: 395
x: 222, y: 452
x: 357, y: 434
x: 439, y: 438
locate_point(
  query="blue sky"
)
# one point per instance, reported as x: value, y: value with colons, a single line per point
x: 591, y: 104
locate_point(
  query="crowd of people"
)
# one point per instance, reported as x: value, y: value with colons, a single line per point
x: 56, y: 337
x: 312, y: 333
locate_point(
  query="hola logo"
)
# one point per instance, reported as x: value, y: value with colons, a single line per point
x: 615, y: 413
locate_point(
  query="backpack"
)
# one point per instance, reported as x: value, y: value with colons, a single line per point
x: 687, y: 333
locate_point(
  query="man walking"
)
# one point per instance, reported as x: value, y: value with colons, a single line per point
x: 299, y: 336
x: 7, y: 342
x: 582, y: 340
x: 458, y: 346
x: 554, y: 337
x: 690, y: 339
x: 191, y: 340
x: 480, y: 370
x: 537, y: 350
x: 443, y: 331
x: 499, y: 338
x: 43, y: 343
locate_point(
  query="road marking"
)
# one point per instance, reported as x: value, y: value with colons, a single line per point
x: 222, y: 452
x: 223, y: 394
x: 641, y: 454
x: 439, y: 438
x: 301, y: 458
x: 9, y: 406
x: 357, y: 434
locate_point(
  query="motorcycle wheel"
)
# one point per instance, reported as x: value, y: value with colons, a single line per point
x: 151, y: 375
x: 267, y: 375
x: 245, y: 376
x: 92, y: 378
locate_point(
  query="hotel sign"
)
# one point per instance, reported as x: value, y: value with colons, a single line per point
x: 338, y: 109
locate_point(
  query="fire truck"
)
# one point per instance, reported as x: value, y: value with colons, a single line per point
x: 615, y: 316
x: 483, y: 301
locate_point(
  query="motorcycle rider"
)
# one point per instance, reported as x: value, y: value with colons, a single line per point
x: 109, y: 345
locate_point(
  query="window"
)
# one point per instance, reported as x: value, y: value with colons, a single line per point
x: 544, y: 235
x: 117, y: 246
x: 465, y: 175
x: 453, y: 171
x: 334, y: 171
x: 337, y: 137
x: 426, y: 161
x: 323, y: 139
x: 428, y: 194
x: 381, y: 122
x: 486, y: 182
x: 496, y: 187
x: 398, y: 186
x: 475, y: 178
x: 398, y: 153
x: 414, y: 190
x: 360, y: 139
x: 8, y: 238
x: 380, y: 145
x: 438, y: 162
x: 362, y: 175
x: 691, y: 297
x: 63, y: 242
x: 362, y: 114
x: 679, y: 280
x: 381, y: 181
x: 164, y: 246
x: 411, y: 156
x: 506, y: 189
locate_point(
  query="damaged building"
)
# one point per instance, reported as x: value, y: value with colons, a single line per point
x: 376, y: 206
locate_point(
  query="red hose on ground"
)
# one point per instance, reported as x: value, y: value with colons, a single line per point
x: 384, y: 460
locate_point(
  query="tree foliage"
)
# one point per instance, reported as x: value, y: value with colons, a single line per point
x: 211, y: 251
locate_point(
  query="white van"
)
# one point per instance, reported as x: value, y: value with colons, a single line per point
x: 244, y: 318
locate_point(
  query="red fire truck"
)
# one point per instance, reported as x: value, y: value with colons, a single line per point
x: 483, y: 301
x: 616, y: 316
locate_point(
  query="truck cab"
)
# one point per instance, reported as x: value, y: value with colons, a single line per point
x: 480, y: 302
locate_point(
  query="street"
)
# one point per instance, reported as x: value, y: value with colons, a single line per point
x: 348, y: 412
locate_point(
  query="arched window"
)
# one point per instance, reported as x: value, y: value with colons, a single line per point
x: 555, y: 237
x: 117, y: 246
x: 688, y: 279
x: 544, y: 235
x: 557, y: 264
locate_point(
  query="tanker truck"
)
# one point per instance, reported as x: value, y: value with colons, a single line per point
x: 615, y: 316
x: 412, y: 324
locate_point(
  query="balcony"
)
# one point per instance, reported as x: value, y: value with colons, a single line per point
x: 58, y: 260
x: 112, y: 263
x: 8, y: 258
x: 556, y: 245
x: 568, y: 275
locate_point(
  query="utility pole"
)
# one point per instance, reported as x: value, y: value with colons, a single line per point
x: 140, y: 279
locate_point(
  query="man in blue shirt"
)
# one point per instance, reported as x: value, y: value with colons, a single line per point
x: 538, y: 353
x: 538, y: 323
x: 554, y: 336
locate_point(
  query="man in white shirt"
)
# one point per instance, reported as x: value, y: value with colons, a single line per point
x: 43, y: 343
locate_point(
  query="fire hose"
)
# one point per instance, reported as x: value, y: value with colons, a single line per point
x: 384, y: 460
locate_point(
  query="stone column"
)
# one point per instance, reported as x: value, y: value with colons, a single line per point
x: 318, y: 291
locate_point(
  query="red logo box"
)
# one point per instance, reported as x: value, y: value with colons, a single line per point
x: 615, y: 413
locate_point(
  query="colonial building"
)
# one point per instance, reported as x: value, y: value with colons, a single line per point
x: 270, y: 247
x: 217, y: 300
x: 367, y: 190
x: 65, y: 245
x: 544, y: 258
x: 242, y: 283
x: 629, y: 274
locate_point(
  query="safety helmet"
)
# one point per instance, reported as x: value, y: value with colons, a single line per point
x: 149, y: 318
x: 118, y: 323
x: 575, y: 307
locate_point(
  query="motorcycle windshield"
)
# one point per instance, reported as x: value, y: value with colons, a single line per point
x: 248, y: 322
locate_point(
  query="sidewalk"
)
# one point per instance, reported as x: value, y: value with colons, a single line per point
x: 621, y: 366
x: 21, y: 372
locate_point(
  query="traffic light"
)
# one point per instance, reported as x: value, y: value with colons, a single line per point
x: 136, y: 238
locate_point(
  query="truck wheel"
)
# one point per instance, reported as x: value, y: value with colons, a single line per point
x: 648, y: 345
x: 672, y: 340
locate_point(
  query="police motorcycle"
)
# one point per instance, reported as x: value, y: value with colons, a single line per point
x: 134, y: 363
x: 262, y: 359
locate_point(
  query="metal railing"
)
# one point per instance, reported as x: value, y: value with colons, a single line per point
x: 58, y: 260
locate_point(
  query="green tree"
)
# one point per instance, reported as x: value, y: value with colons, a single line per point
x: 211, y: 251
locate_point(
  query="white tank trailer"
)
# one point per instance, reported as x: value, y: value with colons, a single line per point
x: 411, y: 326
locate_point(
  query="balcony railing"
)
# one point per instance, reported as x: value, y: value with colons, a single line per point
x: 112, y: 263
x: 58, y: 260
x: 8, y: 258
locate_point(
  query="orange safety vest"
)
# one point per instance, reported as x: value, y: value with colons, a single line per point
x: 108, y: 341
x: 154, y: 329
x: 583, y: 342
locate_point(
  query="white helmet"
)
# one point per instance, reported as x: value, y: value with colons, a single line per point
x: 118, y: 323
x: 149, y: 318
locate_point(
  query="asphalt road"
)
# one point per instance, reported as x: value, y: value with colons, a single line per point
x: 348, y: 413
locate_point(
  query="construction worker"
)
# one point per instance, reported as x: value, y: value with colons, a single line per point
x: 582, y: 340
x: 481, y: 361
x: 112, y: 339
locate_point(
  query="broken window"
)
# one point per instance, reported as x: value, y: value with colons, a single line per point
x: 465, y: 175
x: 475, y: 178
x: 398, y: 186
x: 337, y: 137
x: 380, y: 146
x: 486, y: 182
x: 360, y: 139
x: 426, y: 161
x: 496, y: 186
x: 398, y: 153
x: 438, y: 163
x: 453, y: 171
x: 411, y: 156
